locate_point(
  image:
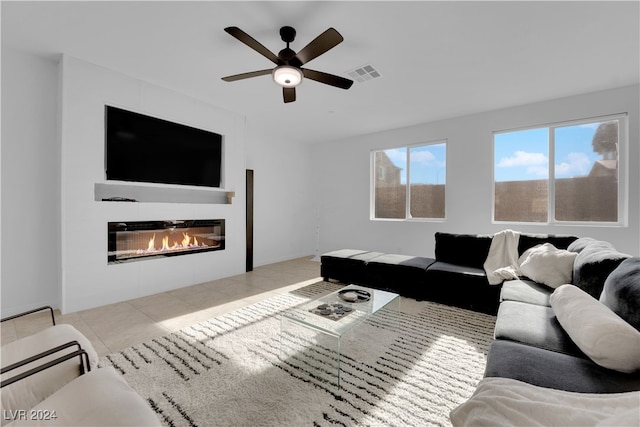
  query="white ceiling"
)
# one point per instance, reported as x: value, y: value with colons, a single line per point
x: 438, y: 59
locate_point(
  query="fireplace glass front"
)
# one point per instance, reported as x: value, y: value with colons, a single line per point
x: 138, y: 240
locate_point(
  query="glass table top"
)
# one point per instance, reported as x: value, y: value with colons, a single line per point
x: 355, y: 313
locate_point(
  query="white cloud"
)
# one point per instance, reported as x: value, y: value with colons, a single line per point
x: 523, y: 158
x: 425, y: 157
x: 577, y: 164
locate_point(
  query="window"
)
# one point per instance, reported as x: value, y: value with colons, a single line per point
x: 409, y: 182
x: 568, y: 172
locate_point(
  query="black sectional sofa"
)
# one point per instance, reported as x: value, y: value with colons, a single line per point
x: 530, y: 344
x: 455, y: 277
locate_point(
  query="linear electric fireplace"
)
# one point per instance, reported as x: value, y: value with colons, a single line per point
x: 139, y: 240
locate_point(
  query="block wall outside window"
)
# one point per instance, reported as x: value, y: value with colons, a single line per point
x: 409, y: 182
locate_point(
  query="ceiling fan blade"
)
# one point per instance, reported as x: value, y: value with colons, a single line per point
x: 325, y: 41
x: 289, y: 94
x: 252, y: 43
x: 246, y: 75
x: 328, y: 79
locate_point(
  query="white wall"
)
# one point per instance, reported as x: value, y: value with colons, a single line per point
x: 284, y: 206
x: 87, y: 280
x: 30, y: 183
x: 60, y: 209
x: 344, y: 193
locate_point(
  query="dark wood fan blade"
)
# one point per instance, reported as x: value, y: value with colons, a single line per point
x: 328, y: 79
x: 252, y: 43
x: 325, y: 41
x: 289, y: 94
x: 246, y: 75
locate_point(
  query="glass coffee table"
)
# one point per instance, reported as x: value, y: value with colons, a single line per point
x: 312, y: 333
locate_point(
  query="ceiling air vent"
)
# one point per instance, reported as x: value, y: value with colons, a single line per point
x: 364, y: 73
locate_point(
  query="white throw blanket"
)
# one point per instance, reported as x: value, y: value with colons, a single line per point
x: 507, y: 402
x: 502, y: 260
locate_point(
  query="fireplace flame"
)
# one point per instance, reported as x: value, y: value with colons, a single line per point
x: 152, y: 243
x: 188, y: 242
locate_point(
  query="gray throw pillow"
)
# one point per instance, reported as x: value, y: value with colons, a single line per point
x: 621, y: 291
x: 594, y: 264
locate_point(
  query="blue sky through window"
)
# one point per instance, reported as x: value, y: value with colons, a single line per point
x: 428, y: 163
x: 524, y: 155
x: 518, y: 156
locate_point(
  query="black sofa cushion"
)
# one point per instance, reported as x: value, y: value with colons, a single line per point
x: 354, y: 254
x: 462, y: 249
x: 527, y: 241
x: 551, y: 369
x: 621, y: 291
x: 402, y: 261
x: 346, y: 265
x: 463, y: 270
x: 524, y: 290
x: 534, y: 325
x: 593, y: 265
x: 403, y: 274
x: 460, y: 286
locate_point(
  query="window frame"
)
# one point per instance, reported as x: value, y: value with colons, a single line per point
x: 373, y: 176
x: 623, y: 179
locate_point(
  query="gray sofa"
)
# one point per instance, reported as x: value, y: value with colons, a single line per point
x: 532, y: 346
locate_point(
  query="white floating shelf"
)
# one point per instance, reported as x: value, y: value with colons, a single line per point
x: 159, y: 193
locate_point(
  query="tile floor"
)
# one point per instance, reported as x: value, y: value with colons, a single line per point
x: 114, y: 327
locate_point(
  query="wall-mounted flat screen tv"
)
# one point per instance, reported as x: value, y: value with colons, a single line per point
x: 141, y: 148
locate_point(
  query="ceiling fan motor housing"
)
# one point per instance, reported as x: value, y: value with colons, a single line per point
x: 287, y: 56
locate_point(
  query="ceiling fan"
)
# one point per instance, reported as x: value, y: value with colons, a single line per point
x: 288, y: 72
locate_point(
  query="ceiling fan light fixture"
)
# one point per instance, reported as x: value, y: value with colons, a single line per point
x: 287, y: 76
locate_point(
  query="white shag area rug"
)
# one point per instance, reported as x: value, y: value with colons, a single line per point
x: 397, y: 369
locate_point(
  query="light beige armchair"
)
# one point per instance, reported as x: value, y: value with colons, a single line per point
x: 52, y: 378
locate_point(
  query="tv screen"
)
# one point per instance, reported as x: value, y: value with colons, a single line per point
x: 141, y: 148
